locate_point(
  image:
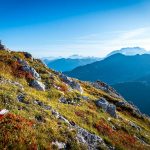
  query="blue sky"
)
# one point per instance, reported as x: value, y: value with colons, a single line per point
x: 66, y: 27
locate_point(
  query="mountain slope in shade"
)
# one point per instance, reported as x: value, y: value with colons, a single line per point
x: 129, y: 51
x: 67, y: 64
x: 138, y: 92
x: 44, y: 109
x: 114, y: 69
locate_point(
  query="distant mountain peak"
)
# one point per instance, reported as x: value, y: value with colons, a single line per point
x: 129, y: 51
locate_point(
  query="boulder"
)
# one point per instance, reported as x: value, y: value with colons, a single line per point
x: 60, y: 145
x: 25, y: 67
x: 111, y: 109
x: 37, y: 85
x: 75, y: 85
x: 71, y: 82
x: 27, y: 55
x: 106, y: 106
x: 102, y: 103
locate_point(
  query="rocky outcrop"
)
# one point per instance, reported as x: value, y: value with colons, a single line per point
x: 71, y: 82
x: 105, y: 87
x: 107, y: 107
x: 83, y: 136
x: 37, y: 85
x: 28, y: 55
x: 25, y: 67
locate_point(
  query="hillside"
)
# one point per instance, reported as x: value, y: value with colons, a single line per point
x: 67, y: 64
x: 114, y: 69
x: 44, y: 109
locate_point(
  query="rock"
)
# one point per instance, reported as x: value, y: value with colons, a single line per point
x: 105, y: 87
x: 60, y: 145
x: 64, y: 119
x: 134, y: 126
x: 39, y: 118
x: 91, y: 140
x: 6, y: 81
x: 27, y: 68
x: 75, y: 85
x: 71, y: 82
x: 102, y: 103
x: 42, y: 105
x: 27, y: 55
x: 106, y: 106
x: 4, y: 111
x: 21, y: 98
x: 22, y: 62
x: 111, y: 109
x: 55, y: 113
x: 83, y: 136
x: 38, y: 103
x: 32, y: 71
x: 85, y: 98
x: 63, y: 100
x: 37, y: 85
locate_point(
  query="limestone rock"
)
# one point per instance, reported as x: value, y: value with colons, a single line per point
x: 37, y: 85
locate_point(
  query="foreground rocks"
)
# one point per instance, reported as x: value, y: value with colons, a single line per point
x: 37, y: 85
x: 25, y: 67
x: 92, y: 141
x: 72, y: 83
x: 107, y: 107
x: 105, y: 87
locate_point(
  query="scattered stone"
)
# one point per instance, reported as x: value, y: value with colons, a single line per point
x: 55, y: 113
x: 7, y: 81
x: 91, y: 140
x: 105, y: 87
x: 111, y: 109
x: 134, y: 126
x: 85, y: 98
x: 60, y: 145
x: 63, y: 100
x: 39, y: 118
x: 38, y: 103
x: 42, y: 105
x: 21, y: 98
x: 4, y: 111
x: 28, y: 55
x: 71, y: 82
x: 27, y: 68
x: 83, y: 136
x: 107, y: 107
x: 37, y: 85
x: 102, y: 103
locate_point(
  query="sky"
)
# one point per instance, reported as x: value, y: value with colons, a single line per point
x: 51, y: 28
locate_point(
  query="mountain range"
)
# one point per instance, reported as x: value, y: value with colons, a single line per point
x: 69, y: 63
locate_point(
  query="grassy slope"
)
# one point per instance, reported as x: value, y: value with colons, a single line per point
x: 19, y: 129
